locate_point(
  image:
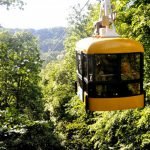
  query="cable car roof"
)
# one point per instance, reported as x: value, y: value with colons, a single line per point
x: 96, y: 45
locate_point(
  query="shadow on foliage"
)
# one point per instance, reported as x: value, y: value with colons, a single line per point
x: 38, y: 136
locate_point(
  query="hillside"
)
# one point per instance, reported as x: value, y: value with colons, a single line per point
x: 49, y: 39
x: 51, y: 42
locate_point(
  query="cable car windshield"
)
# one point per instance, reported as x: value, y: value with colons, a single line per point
x: 111, y: 75
x: 117, y: 74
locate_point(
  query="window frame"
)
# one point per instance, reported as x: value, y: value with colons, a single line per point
x: 90, y: 85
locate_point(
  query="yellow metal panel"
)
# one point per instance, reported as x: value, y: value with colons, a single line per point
x: 94, y: 45
x: 108, y: 104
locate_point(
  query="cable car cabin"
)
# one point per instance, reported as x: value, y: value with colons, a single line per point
x: 110, y: 73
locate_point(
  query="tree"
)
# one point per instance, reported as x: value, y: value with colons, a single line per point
x: 19, y: 73
x: 22, y: 121
x: 14, y: 3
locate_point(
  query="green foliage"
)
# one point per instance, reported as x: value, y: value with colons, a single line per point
x: 21, y: 97
x: 56, y: 78
x: 33, y: 135
x: 81, y: 23
x: 122, y: 130
x: 19, y: 68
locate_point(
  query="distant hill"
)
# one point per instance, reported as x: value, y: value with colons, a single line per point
x: 49, y: 39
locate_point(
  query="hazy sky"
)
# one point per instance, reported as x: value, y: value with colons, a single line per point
x: 39, y: 14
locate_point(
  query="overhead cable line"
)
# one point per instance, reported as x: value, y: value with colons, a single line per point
x: 62, y: 35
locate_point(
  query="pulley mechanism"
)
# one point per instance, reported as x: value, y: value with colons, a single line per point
x: 104, y: 27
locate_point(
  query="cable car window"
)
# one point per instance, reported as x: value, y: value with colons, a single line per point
x: 106, y: 67
x: 128, y: 89
x: 79, y: 63
x: 101, y: 90
x: 117, y: 75
x: 85, y: 66
x: 134, y: 88
x: 106, y: 90
x: 90, y: 67
x: 117, y: 90
x: 130, y: 66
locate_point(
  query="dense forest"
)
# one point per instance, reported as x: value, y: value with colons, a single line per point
x: 38, y: 106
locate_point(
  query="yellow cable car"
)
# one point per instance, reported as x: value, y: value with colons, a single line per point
x: 109, y: 68
x: 110, y: 73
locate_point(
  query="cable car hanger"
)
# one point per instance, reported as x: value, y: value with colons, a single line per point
x: 106, y: 19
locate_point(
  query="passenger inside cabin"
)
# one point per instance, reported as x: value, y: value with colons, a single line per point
x: 128, y: 73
